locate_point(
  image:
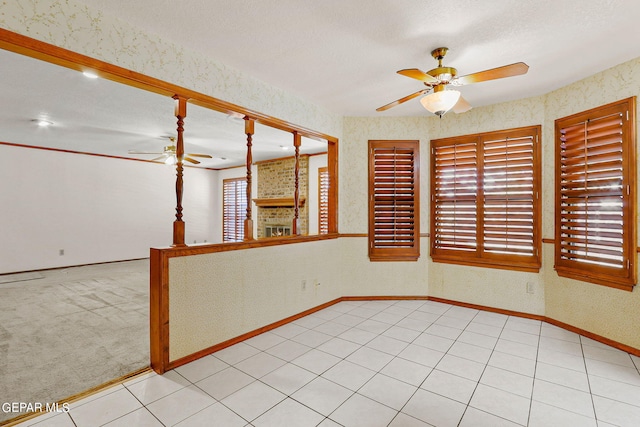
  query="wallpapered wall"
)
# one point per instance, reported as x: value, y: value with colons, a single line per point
x: 604, y: 311
x: 598, y: 309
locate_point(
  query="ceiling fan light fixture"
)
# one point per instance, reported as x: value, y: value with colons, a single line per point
x: 170, y: 160
x: 440, y: 102
x: 43, y: 123
x: 90, y: 74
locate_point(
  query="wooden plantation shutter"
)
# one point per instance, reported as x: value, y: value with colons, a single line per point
x: 595, y: 196
x: 485, y: 207
x: 323, y: 200
x: 234, y: 209
x: 454, y: 197
x: 509, y: 196
x: 394, y: 201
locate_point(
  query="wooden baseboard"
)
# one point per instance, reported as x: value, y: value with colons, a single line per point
x: 568, y: 327
x: 127, y: 377
x: 491, y: 309
x: 246, y: 336
x: 385, y: 298
x: 222, y: 345
x: 595, y: 337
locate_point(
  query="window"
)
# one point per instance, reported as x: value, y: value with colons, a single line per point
x: 234, y: 209
x: 595, y: 224
x: 485, y: 199
x: 394, y: 201
x: 323, y: 200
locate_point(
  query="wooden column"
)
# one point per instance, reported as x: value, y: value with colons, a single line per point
x: 297, y: 140
x: 178, y: 224
x: 248, y: 222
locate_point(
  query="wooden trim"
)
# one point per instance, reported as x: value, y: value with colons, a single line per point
x: 178, y: 224
x: 201, y: 249
x: 28, y: 46
x: 366, y: 235
x: 332, y: 165
x: 385, y: 298
x: 251, y: 334
x: 486, y: 263
x: 159, y: 310
x: 277, y: 159
x: 487, y: 308
x: 285, y: 202
x: 259, y: 162
x: 240, y: 338
x: 595, y: 337
x: 70, y: 266
x: 85, y: 153
x: 249, y: 127
x: 93, y: 390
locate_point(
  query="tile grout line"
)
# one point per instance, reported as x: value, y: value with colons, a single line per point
x: 535, y: 369
x: 584, y: 361
x: 483, y: 370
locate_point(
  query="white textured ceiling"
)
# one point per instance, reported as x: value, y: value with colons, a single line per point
x: 343, y: 54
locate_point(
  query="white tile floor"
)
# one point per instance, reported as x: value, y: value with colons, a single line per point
x: 384, y: 363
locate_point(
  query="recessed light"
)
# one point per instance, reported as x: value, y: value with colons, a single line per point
x: 90, y: 74
x: 284, y: 147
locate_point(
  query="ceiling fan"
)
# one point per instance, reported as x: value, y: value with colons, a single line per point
x: 169, y: 154
x: 442, y: 100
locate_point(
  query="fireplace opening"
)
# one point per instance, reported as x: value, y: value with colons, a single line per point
x: 277, y: 230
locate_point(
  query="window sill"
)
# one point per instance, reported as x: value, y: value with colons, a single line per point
x: 475, y: 262
x: 584, y: 276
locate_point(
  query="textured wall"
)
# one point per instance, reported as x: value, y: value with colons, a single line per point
x: 353, y: 168
x: 605, y: 311
x: 220, y: 296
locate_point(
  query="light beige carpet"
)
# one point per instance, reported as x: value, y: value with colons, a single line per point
x: 71, y: 330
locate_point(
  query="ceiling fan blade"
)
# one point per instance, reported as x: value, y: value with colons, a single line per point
x: 401, y: 100
x: 206, y: 156
x: 190, y: 160
x: 414, y: 73
x: 495, y: 73
x: 163, y: 157
x: 462, y: 106
x: 144, y: 152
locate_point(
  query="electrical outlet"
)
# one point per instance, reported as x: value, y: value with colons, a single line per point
x: 531, y: 288
x: 303, y: 285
